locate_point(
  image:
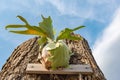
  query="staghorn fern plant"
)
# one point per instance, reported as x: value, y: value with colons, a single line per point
x: 54, y: 52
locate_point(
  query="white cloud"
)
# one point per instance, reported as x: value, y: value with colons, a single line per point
x: 30, y: 6
x: 87, y: 9
x: 102, y: 1
x: 70, y: 7
x: 58, y: 4
x: 107, y: 49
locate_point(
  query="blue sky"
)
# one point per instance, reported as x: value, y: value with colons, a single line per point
x: 101, y: 18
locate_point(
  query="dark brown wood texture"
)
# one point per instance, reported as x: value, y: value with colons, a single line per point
x: 27, y: 52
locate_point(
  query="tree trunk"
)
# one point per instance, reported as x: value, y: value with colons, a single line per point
x: 27, y: 52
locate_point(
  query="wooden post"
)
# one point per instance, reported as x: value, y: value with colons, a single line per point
x: 27, y: 52
x: 80, y: 76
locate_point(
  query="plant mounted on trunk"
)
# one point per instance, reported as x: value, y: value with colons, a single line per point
x: 54, y: 53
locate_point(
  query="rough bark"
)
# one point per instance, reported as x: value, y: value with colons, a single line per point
x: 27, y: 52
